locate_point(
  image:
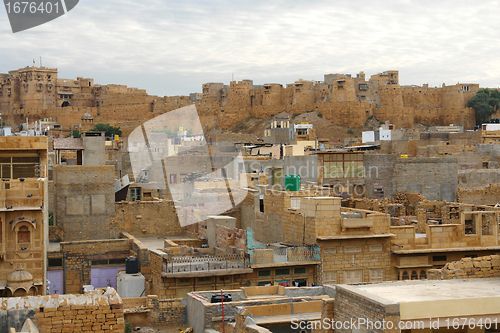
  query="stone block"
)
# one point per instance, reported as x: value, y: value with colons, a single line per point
x: 98, y: 204
x: 74, y: 205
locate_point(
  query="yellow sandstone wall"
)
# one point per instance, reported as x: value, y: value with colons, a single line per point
x: 37, y: 93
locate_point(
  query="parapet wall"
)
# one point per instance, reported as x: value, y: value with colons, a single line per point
x: 147, y: 218
x: 99, y: 310
x: 467, y: 268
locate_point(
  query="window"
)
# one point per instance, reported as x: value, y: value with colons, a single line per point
x: 353, y: 249
x: 23, y: 235
x: 55, y: 262
x: 295, y: 202
x: 378, y: 191
x: 184, y: 281
x: 264, y: 272
x: 363, y: 87
x: 299, y: 270
x: 19, y: 167
x: 470, y: 225
x: 264, y: 283
x: 135, y: 194
x: 423, y: 275
x: 405, y: 276
x: 204, y: 280
x: 282, y: 271
x: 329, y: 277
x: 116, y: 261
x: 330, y: 250
x: 376, y: 248
x: 377, y: 275
x: 106, y: 262
x: 299, y: 283
x: 225, y: 279
x: 353, y: 276
x: 439, y: 258
x: 349, y: 165
x: 414, y: 275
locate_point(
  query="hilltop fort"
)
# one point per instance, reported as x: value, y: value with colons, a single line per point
x: 342, y: 99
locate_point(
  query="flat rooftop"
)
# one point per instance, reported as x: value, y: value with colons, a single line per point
x: 155, y: 243
x: 425, y: 299
x: 428, y: 290
x: 152, y: 243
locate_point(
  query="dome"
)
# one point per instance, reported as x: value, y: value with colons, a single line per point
x: 20, y: 275
x: 87, y: 116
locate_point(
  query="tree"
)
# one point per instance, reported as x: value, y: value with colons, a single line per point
x: 486, y: 102
x: 110, y: 130
x: 74, y: 134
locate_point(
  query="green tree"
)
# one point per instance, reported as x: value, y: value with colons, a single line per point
x: 486, y: 102
x: 74, y: 134
x: 110, y: 130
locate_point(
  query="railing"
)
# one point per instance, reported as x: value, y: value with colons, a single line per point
x: 289, y: 254
x: 135, y: 302
x: 205, y: 263
x: 17, y: 193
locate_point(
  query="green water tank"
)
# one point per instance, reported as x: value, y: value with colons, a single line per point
x: 292, y: 182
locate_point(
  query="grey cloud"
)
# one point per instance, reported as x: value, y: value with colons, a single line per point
x: 171, y: 48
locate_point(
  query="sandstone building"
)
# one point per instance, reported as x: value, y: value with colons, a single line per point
x: 23, y: 216
x: 38, y: 93
x: 341, y: 99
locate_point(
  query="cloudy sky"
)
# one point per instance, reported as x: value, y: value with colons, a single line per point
x: 173, y: 47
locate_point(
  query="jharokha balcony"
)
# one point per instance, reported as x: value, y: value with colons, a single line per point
x: 207, y: 265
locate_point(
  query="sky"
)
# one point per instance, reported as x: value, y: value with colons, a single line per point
x: 173, y: 47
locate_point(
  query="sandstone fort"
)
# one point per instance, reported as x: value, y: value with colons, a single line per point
x: 342, y: 99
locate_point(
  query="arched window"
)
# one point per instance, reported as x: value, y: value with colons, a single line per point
x: 405, y: 276
x: 423, y: 275
x: 414, y: 275
x: 23, y: 235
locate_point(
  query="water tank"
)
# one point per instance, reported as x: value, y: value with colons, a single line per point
x: 130, y: 285
x: 218, y: 298
x: 352, y: 215
x: 131, y: 265
x: 292, y: 182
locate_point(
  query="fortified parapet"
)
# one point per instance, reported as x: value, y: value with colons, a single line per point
x: 343, y: 90
x: 390, y: 95
x: 213, y: 90
x: 272, y: 94
x: 453, y: 97
x: 300, y: 92
x: 238, y: 94
x: 30, y: 87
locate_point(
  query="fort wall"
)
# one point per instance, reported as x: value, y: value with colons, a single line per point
x: 37, y: 93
